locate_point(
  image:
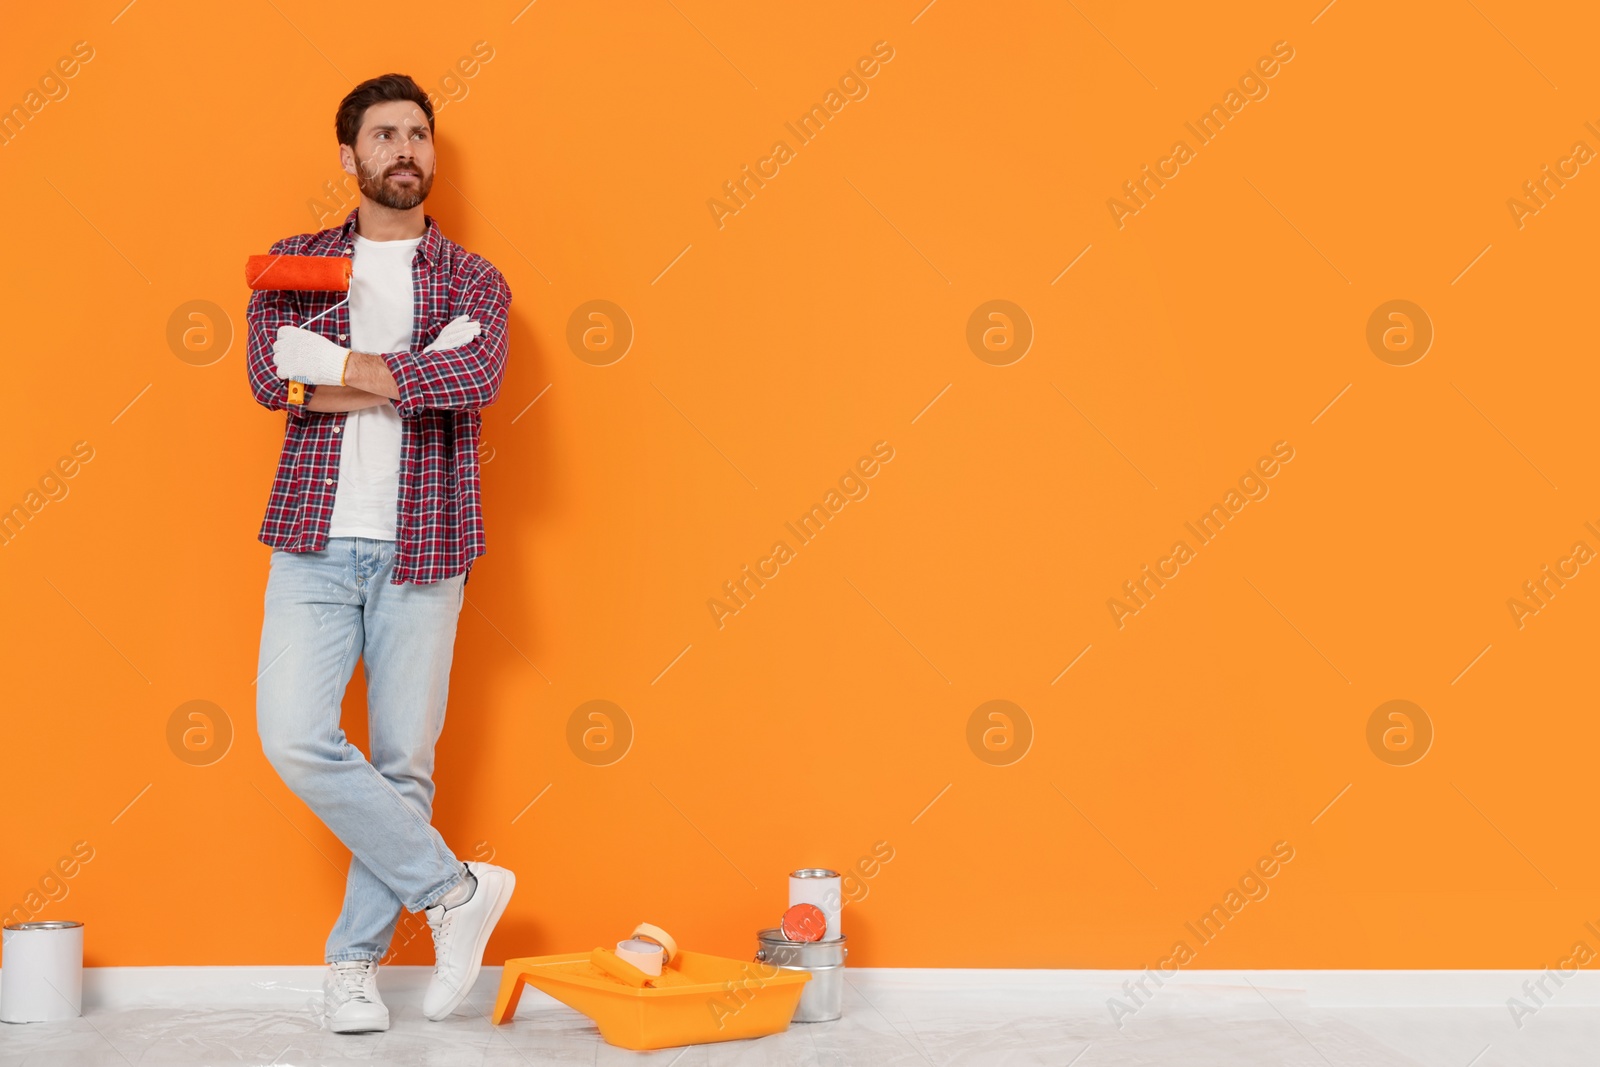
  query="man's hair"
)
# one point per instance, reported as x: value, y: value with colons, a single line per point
x: 353, y: 108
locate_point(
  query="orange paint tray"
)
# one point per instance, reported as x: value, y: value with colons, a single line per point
x: 691, y: 1003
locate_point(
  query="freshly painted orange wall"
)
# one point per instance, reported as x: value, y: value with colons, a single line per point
x: 771, y: 351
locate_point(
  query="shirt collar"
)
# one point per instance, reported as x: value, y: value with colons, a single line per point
x: 432, y: 238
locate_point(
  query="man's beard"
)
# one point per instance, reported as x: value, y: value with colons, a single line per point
x: 397, y: 195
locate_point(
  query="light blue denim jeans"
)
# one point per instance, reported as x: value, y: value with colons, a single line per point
x: 324, y: 610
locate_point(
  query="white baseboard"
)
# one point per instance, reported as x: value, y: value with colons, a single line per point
x: 120, y: 988
x: 1316, y: 988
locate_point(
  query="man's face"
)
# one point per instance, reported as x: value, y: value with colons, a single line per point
x: 393, y: 157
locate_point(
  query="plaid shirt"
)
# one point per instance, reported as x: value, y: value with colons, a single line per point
x: 439, y: 522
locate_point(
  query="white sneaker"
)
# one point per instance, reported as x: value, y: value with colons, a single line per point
x: 460, y: 934
x: 350, y: 1001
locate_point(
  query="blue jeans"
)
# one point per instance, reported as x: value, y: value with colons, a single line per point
x: 323, y: 610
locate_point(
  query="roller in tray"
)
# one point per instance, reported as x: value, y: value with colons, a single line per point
x: 690, y: 1002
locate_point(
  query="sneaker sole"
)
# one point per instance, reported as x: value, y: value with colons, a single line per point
x: 496, y: 910
x: 358, y: 1027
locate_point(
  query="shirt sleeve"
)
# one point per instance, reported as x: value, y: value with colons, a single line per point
x: 465, y: 377
x: 268, y: 309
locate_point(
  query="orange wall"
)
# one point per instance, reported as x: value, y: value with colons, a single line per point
x: 770, y: 353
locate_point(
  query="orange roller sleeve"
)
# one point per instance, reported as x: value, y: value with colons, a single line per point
x: 297, y: 272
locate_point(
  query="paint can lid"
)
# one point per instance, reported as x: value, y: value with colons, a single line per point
x: 804, y: 922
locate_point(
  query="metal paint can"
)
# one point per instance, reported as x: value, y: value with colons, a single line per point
x: 822, y: 998
x: 43, y: 979
x: 822, y: 887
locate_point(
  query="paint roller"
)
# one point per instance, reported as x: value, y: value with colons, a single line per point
x: 306, y: 273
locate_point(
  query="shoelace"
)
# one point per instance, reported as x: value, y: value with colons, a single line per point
x: 441, y: 933
x: 352, y: 978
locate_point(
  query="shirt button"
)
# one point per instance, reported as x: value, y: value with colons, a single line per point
x: 327, y: 481
x: 341, y: 337
x: 336, y: 429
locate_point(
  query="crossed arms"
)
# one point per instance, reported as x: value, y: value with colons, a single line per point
x: 466, y: 377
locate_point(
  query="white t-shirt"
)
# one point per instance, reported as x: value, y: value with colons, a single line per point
x: 381, y: 303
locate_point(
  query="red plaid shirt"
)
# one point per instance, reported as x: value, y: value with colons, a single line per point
x: 439, y: 523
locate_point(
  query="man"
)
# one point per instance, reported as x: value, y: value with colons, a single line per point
x: 374, y: 520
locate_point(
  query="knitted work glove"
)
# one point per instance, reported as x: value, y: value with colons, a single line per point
x: 458, y: 331
x: 308, y: 357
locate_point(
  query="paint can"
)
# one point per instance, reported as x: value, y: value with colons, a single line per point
x: 822, y: 998
x: 819, y: 886
x: 42, y: 977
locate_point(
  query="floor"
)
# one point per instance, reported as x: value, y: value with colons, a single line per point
x: 262, y: 1016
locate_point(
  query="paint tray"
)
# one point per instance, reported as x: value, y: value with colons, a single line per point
x: 689, y: 1004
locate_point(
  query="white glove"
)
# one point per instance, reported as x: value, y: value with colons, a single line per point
x: 458, y: 331
x: 308, y: 357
